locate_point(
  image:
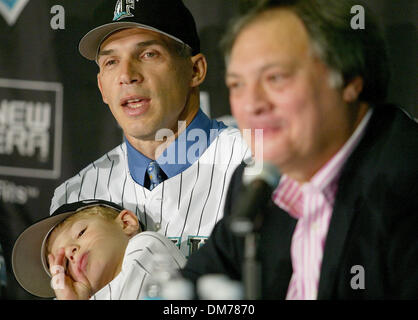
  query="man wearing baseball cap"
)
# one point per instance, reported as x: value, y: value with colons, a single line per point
x: 174, y: 164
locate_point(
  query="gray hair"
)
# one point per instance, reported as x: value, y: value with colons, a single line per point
x: 347, y: 52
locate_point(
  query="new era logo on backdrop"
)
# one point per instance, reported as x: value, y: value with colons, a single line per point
x: 30, y: 128
x: 11, y: 9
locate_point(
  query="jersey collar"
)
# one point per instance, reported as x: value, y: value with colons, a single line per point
x: 181, y: 153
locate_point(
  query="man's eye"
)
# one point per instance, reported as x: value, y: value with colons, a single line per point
x: 233, y: 85
x: 275, y: 77
x: 109, y: 63
x: 149, y: 54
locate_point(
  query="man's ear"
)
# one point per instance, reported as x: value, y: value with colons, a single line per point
x: 129, y: 222
x: 99, y: 84
x: 200, y: 67
x: 353, y: 89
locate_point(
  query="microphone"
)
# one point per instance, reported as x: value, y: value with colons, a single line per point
x: 259, y: 181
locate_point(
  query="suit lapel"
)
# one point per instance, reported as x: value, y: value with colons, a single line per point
x: 348, y: 201
x: 274, y: 251
x: 342, y: 217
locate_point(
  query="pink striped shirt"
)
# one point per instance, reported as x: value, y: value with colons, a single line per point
x: 312, y: 203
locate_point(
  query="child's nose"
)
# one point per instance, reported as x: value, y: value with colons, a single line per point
x: 71, y: 251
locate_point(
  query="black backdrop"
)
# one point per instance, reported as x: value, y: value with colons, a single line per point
x: 53, y: 122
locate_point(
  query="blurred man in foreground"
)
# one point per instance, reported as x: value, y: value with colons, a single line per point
x: 342, y: 222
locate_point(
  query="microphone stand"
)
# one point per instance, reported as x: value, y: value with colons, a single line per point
x: 246, y: 222
x: 251, y: 268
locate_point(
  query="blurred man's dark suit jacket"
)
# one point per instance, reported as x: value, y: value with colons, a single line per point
x: 374, y: 223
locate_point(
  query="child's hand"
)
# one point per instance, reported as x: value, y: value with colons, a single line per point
x: 66, y: 288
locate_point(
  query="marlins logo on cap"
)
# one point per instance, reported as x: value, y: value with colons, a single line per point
x: 123, y: 9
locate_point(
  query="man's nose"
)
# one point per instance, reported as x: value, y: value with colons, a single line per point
x: 129, y: 73
x: 258, y: 100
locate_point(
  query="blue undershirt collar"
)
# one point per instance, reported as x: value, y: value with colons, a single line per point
x: 181, y: 153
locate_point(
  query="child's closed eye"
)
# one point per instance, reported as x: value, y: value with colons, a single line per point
x: 81, y: 232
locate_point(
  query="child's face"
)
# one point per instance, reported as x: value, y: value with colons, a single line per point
x: 94, y: 247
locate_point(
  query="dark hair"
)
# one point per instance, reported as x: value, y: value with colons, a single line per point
x: 347, y: 51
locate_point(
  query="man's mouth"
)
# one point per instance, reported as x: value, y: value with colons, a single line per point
x: 268, y: 127
x: 270, y: 130
x: 134, y: 102
x: 135, y: 106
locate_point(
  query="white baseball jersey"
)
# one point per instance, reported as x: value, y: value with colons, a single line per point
x: 184, y: 208
x: 137, y: 267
